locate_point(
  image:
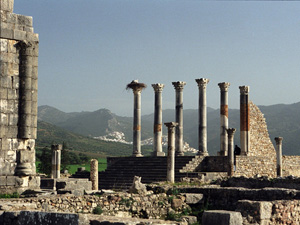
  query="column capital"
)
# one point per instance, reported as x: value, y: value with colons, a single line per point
x: 244, y: 89
x: 158, y: 87
x: 224, y: 86
x: 202, y: 82
x: 24, y: 44
x: 56, y: 147
x: 171, y: 124
x: 179, y: 85
x: 278, y: 140
x: 231, y: 131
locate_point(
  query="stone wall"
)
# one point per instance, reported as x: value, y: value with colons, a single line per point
x: 291, y: 165
x: 260, y: 143
x: 18, y: 90
x: 154, y: 206
x: 251, y: 166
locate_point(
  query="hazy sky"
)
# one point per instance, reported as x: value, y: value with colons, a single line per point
x: 90, y: 50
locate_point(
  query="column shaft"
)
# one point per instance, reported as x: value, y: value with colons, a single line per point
x: 94, y: 174
x: 244, y: 120
x: 137, y: 90
x: 171, y: 152
x: 157, y: 129
x: 202, y: 117
x: 179, y: 85
x: 230, y: 157
x: 223, y: 118
x: 56, y: 160
x: 137, y: 124
x: 279, y: 155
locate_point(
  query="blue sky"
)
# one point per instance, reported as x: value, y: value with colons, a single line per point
x: 90, y: 50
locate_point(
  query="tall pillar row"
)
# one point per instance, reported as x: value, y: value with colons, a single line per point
x: 137, y: 90
x: 202, y: 124
x: 171, y: 151
x: 244, y: 120
x: 179, y: 85
x: 223, y: 118
x: 157, y: 129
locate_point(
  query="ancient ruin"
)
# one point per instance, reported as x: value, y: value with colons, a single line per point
x: 18, y: 101
x: 240, y: 190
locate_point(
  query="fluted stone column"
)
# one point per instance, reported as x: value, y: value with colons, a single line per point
x: 94, y: 174
x: 137, y: 90
x: 157, y: 130
x: 279, y: 155
x: 171, y: 152
x: 223, y: 118
x: 230, y: 156
x: 202, y: 117
x: 56, y: 160
x: 244, y: 120
x: 179, y: 85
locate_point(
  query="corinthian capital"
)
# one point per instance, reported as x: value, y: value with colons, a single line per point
x: 278, y: 140
x: 244, y: 90
x: 179, y: 85
x: 158, y: 87
x: 202, y: 82
x: 224, y: 86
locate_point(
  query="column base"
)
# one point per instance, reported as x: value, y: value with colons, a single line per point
x: 158, y: 154
x: 221, y: 153
x: 179, y: 154
x: 137, y: 155
x: 203, y: 153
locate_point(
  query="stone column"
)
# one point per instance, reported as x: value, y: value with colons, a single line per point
x: 137, y: 90
x: 94, y: 174
x: 202, y: 117
x: 224, y: 118
x: 244, y: 120
x: 179, y: 85
x: 279, y: 155
x: 56, y: 159
x: 171, y: 153
x: 157, y: 130
x: 25, y: 90
x: 230, y: 156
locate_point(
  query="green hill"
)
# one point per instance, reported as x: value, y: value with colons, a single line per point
x: 49, y: 134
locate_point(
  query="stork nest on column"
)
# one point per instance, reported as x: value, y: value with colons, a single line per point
x: 135, y: 85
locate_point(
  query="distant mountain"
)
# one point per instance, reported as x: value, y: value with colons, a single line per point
x: 282, y: 120
x: 49, y: 134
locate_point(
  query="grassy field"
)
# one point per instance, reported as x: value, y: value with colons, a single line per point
x: 101, y: 166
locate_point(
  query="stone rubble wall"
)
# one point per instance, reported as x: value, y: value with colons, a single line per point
x: 251, y: 166
x: 260, y: 142
x: 270, y: 212
x: 18, y: 89
x: 291, y: 165
x: 122, y: 204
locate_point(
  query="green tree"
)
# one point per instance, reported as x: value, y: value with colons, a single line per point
x: 45, y: 158
x: 65, y: 157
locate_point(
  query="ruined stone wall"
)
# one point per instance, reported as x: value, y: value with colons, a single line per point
x: 291, y: 165
x: 18, y: 91
x: 153, y: 206
x: 260, y: 142
x: 250, y: 166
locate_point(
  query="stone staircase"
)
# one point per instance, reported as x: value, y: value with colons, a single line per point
x: 121, y: 171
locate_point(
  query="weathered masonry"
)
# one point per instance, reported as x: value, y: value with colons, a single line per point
x: 18, y: 100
